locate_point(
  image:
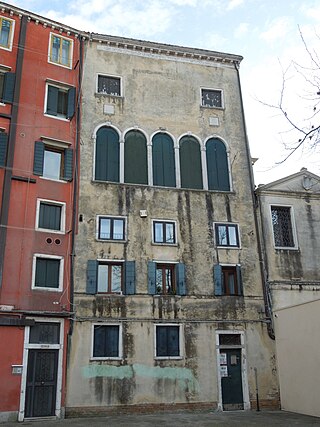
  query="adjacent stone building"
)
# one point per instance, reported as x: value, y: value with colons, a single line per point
x: 290, y: 216
x: 169, y: 300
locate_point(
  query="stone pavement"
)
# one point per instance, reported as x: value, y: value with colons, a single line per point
x: 184, y: 419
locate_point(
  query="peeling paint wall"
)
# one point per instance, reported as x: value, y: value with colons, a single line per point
x: 162, y: 93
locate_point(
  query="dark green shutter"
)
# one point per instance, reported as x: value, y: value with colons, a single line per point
x: 135, y: 158
x: 52, y: 100
x: 217, y: 277
x: 173, y: 341
x: 53, y: 273
x: 239, y: 280
x: 71, y: 102
x: 129, y: 282
x: 152, y: 278
x: 8, y: 88
x: 162, y: 341
x: 38, y: 158
x: 92, y: 266
x: 3, y: 148
x: 163, y: 161
x: 107, y: 155
x: 217, y: 165
x: 180, y: 279
x: 190, y: 163
x: 68, y: 164
x: 50, y: 216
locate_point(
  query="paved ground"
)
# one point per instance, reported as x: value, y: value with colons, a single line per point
x: 185, y: 419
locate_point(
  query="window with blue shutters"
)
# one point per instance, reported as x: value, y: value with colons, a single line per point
x: 47, y: 272
x: 60, y: 101
x: 7, y: 83
x: 3, y: 148
x: 135, y: 158
x: 107, y: 342
x: 168, y: 341
x: 51, y: 216
x: 52, y: 161
x: 166, y: 278
x: 227, y: 280
x: 107, y: 155
x: 190, y: 163
x: 163, y: 161
x: 217, y: 165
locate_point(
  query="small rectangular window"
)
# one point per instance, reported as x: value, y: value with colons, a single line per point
x: 227, y: 235
x: 47, y: 272
x: 53, y: 161
x: 45, y: 333
x: 6, y: 33
x: 230, y: 281
x: 111, y: 228
x: 168, y: 341
x: 50, y: 216
x: 282, y: 226
x: 107, y: 342
x: 60, y: 101
x: 109, y: 85
x: 60, y: 50
x: 211, y: 98
x: 110, y: 277
x: 164, y: 232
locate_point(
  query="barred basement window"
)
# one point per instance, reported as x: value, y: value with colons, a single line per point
x: 282, y: 226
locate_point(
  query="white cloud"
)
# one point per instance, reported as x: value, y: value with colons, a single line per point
x: 234, y: 4
x: 241, y: 30
x: 278, y: 29
x: 312, y: 12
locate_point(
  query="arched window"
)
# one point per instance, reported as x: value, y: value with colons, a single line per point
x: 164, y: 170
x: 190, y: 163
x: 135, y: 158
x: 217, y: 165
x: 107, y: 155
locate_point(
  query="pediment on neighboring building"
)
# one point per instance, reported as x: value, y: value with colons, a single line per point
x: 300, y: 182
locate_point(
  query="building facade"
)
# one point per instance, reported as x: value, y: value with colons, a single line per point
x: 290, y: 215
x: 169, y: 300
x: 40, y: 63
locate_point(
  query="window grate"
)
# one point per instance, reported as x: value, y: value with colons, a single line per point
x: 282, y: 226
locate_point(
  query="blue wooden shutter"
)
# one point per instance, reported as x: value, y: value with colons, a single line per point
x: 3, y: 148
x: 135, y: 158
x: 92, y: 277
x: 68, y: 164
x: 180, y: 279
x: 71, y: 102
x: 217, y: 165
x: 217, y: 277
x: 190, y: 163
x: 152, y: 278
x: 129, y: 281
x: 8, y: 88
x: 38, y: 158
x: 52, y: 100
x: 239, y: 280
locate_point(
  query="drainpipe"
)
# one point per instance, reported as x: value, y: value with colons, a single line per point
x: 75, y: 187
x: 261, y: 261
x: 5, y: 202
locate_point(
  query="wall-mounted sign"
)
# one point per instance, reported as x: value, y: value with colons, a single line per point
x: 223, y: 371
x: 16, y: 369
x: 223, y: 358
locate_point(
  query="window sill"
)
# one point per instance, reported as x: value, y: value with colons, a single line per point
x: 165, y: 244
x: 63, y: 119
x: 54, y: 180
x: 111, y: 240
x: 168, y: 358
x: 2, y: 104
x: 228, y: 247
x: 9, y: 48
x: 286, y: 248
x: 98, y: 94
x: 96, y: 359
x: 60, y: 65
x: 47, y: 230
x: 38, y: 288
x: 207, y: 107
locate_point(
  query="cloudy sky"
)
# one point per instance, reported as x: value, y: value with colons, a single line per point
x: 264, y: 32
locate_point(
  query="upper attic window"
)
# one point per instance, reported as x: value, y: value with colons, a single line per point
x: 211, y: 98
x: 60, y: 50
x: 6, y: 33
x: 108, y: 85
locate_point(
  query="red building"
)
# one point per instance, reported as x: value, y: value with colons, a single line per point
x: 40, y: 70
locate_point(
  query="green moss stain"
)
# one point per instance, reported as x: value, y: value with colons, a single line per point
x: 114, y: 372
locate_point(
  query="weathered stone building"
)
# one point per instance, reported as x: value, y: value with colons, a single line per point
x: 290, y: 216
x: 168, y: 291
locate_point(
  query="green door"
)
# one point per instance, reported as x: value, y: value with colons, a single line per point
x: 231, y: 380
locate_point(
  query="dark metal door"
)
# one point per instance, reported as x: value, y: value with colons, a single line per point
x: 231, y: 384
x: 41, y: 386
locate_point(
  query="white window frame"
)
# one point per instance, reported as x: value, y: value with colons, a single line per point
x: 58, y: 145
x: 3, y: 70
x: 293, y: 223
x: 70, y: 53
x: 120, y: 348
x: 59, y: 85
x: 170, y: 221
x: 111, y: 217
x: 113, y: 77
x: 10, y: 41
x: 217, y: 223
x: 62, y: 219
x: 213, y: 89
x: 61, y: 270
x: 181, y: 342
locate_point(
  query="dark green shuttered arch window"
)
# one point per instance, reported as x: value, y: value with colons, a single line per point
x: 135, y: 158
x: 217, y: 165
x: 190, y: 163
x: 164, y: 170
x: 107, y: 155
